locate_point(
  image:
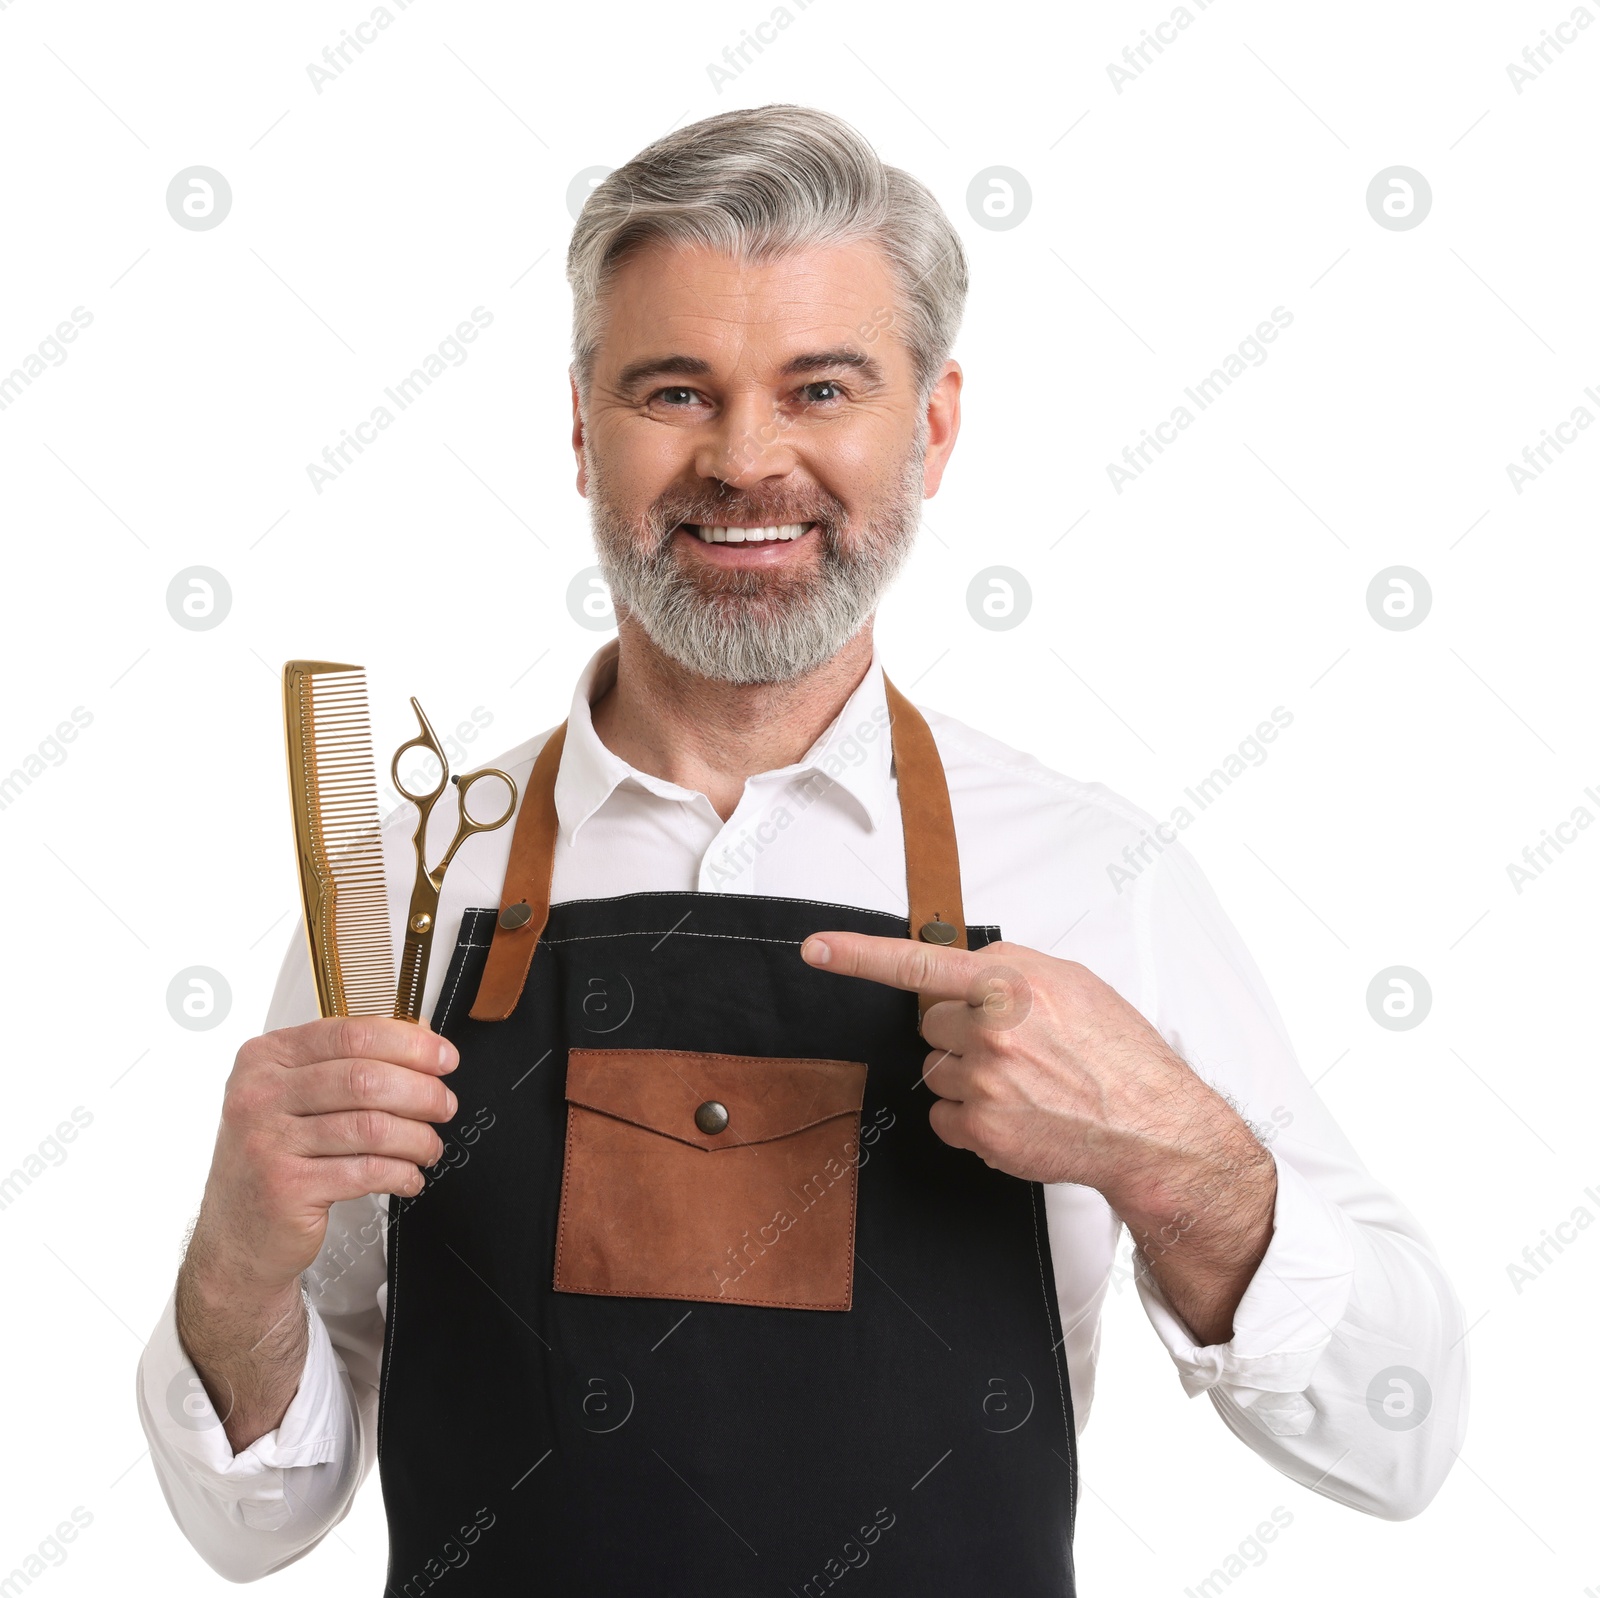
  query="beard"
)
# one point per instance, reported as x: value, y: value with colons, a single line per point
x: 756, y: 626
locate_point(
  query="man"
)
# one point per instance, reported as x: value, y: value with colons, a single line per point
x: 774, y: 1197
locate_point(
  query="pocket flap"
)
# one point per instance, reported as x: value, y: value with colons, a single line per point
x: 764, y: 1097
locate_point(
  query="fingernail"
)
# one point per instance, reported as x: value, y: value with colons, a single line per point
x: 450, y: 1106
x: 446, y: 1056
x: 815, y: 951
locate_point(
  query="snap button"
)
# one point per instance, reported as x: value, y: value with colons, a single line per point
x: 516, y: 915
x: 711, y: 1117
x: 937, y: 931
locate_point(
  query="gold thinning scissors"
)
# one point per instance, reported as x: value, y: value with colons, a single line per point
x: 424, y: 911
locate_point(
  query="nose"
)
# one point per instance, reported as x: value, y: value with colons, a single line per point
x: 748, y: 444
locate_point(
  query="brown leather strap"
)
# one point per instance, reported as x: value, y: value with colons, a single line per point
x: 527, y: 888
x: 933, y: 864
x: 933, y: 867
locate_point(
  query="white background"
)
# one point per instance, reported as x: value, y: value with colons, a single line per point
x: 1167, y: 221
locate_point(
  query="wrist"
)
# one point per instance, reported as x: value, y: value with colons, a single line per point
x: 1192, y: 1195
x: 214, y: 1291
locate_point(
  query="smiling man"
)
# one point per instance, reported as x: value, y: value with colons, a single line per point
x: 805, y: 1069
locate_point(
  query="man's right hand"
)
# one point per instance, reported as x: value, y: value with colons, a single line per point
x: 335, y: 1109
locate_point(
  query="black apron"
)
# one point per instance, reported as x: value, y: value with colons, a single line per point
x: 548, y: 1441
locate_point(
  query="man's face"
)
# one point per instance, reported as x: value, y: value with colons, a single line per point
x: 729, y: 398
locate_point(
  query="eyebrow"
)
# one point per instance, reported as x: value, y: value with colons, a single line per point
x: 636, y: 372
x: 824, y: 360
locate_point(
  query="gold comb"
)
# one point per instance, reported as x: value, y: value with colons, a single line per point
x: 338, y: 843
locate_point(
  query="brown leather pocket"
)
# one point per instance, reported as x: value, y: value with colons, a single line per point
x: 657, y: 1202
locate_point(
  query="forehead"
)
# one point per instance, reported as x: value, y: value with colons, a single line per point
x: 672, y: 299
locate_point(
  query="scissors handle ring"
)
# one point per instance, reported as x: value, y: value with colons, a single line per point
x: 428, y: 742
x: 468, y: 824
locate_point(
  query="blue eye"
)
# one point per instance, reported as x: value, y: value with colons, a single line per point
x: 825, y: 383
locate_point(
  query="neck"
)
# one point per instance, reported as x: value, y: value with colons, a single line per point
x: 710, y: 736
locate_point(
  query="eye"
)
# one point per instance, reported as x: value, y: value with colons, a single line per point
x: 676, y: 397
x: 813, y: 397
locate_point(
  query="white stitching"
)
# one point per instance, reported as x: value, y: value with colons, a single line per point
x: 444, y: 1019
x: 757, y: 898
x: 752, y: 898
x: 656, y: 932
x: 391, y: 1237
x: 392, y: 1231
x: 670, y: 932
x: 1032, y: 1203
x: 650, y: 932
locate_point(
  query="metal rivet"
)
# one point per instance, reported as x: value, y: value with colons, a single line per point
x: 421, y: 921
x: 516, y: 915
x: 711, y: 1117
x: 937, y: 931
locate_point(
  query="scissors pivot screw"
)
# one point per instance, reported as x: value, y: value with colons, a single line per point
x: 421, y: 921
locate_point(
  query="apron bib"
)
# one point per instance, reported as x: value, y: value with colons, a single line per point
x: 696, y: 1303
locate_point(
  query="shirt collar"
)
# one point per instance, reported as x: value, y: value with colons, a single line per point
x: 852, y: 752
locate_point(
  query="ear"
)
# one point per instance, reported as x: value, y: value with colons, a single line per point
x: 944, y: 423
x: 577, y: 433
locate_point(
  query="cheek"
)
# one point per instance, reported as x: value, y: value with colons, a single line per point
x: 637, y: 460
x: 855, y: 448
x: 850, y: 457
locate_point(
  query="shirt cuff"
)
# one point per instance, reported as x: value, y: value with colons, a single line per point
x: 1284, y: 1321
x: 183, y: 1425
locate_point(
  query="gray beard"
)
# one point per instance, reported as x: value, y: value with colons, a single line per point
x: 753, y: 626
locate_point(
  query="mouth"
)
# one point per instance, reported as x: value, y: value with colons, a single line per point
x: 746, y: 546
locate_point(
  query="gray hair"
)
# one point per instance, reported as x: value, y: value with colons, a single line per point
x: 755, y: 184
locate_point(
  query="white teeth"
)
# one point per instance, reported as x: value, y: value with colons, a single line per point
x: 751, y: 535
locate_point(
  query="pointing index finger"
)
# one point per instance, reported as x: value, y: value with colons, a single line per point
x: 897, y: 962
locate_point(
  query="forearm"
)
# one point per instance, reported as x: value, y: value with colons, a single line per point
x: 1201, y: 1221
x: 247, y: 1341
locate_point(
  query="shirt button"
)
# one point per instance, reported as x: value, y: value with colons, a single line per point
x: 711, y: 1117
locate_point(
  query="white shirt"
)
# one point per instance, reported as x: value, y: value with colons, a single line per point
x: 1349, y: 1289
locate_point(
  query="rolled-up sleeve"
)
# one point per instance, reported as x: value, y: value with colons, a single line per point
x: 250, y: 1513
x: 1347, y: 1367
